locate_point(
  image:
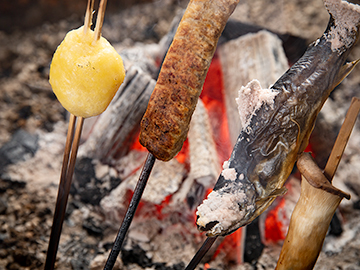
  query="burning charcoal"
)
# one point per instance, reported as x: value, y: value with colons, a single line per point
x: 3, y: 206
x: 204, y: 166
x: 136, y: 255
x: 93, y: 181
x: 335, y: 225
x: 294, y: 47
x: 93, y: 227
x: 115, y: 130
x: 162, y: 266
x: 253, y: 244
x: 164, y: 180
x: 356, y: 205
x: 21, y: 145
x: 202, y: 149
x: 6, y: 184
x: 263, y: 59
x: 196, y: 194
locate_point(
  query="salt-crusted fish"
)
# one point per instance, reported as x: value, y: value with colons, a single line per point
x: 276, y: 125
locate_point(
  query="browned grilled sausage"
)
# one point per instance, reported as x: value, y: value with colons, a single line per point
x: 165, y: 124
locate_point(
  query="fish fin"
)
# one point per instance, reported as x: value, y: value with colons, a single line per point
x: 263, y: 204
x: 344, y: 71
x: 278, y: 192
x: 275, y: 193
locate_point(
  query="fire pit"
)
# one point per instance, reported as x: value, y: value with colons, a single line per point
x: 163, y: 234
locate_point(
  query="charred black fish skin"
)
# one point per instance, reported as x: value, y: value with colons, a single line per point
x: 267, y: 149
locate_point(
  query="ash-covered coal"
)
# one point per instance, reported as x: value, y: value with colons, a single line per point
x: 93, y: 181
x: 21, y: 146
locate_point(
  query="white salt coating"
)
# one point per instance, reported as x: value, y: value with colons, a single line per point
x: 229, y: 174
x: 226, y: 164
x: 347, y: 18
x: 221, y: 207
x: 250, y: 98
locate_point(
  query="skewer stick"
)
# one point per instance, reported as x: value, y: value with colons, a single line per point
x: 88, y: 15
x: 72, y: 144
x: 100, y: 20
x: 342, y: 139
x: 139, y: 189
x: 317, y: 203
x: 201, y: 253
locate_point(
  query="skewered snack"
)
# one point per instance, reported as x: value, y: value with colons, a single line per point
x: 277, y: 130
x: 165, y: 124
x: 85, y: 73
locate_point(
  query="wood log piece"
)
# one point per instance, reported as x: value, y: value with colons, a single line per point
x: 204, y: 164
x: 116, y: 128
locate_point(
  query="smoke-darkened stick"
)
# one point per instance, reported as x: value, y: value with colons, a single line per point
x: 201, y: 253
x: 317, y: 203
x: 139, y: 189
x: 72, y: 143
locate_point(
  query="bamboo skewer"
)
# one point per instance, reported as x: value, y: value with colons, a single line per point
x: 100, y: 20
x: 68, y: 166
x: 317, y: 203
x: 70, y: 152
x: 342, y: 139
x: 88, y: 15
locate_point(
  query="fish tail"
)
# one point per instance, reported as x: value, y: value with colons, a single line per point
x: 342, y: 31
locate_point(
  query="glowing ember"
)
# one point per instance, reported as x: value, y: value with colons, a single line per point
x: 276, y: 223
x: 213, y: 98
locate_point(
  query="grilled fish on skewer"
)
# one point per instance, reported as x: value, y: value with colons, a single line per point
x: 277, y: 128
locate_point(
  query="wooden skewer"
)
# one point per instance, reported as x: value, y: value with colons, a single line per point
x: 68, y: 166
x: 342, y: 139
x: 72, y: 145
x: 100, y: 19
x: 88, y: 15
x: 317, y: 203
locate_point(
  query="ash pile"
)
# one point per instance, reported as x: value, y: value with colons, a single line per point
x: 163, y: 234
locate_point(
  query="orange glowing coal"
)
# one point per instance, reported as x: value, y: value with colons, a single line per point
x: 214, y: 102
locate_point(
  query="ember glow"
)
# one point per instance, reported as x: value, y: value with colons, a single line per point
x: 213, y: 98
x: 276, y: 223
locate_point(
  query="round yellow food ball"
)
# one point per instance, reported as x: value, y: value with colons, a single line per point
x: 85, y: 74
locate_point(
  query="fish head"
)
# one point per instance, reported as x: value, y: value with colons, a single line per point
x: 226, y: 209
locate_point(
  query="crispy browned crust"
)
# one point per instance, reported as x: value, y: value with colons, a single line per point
x: 165, y: 124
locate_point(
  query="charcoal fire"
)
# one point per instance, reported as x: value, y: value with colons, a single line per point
x: 111, y: 156
x: 267, y: 147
